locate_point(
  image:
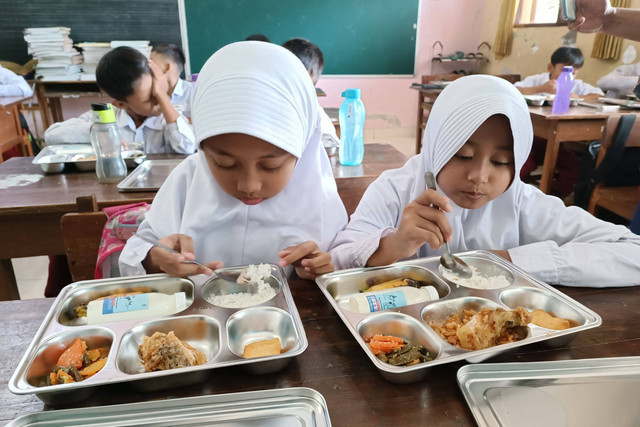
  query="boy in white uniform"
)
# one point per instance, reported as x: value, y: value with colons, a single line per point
x: 170, y: 59
x: 546, y: 82
x: 144, y: 112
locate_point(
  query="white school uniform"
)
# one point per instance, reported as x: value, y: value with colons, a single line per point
x: 329, y: 133
x: 620, y: 81
x: 182, y: 96
x: 262, y: 90
x: 579, y: 87
x: 557, y: 244
x: 155, y: 133
x: 12, y: 84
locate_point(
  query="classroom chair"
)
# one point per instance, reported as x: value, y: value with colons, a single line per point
x: 351, y: 190
x: 620, y: 200
x: 81, y: 233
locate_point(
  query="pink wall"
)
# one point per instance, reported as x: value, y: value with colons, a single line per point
x: 389, y: 101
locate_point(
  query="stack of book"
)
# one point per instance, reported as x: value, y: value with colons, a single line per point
x: 52, y: 47
x: 92, y: 52
x: 141, y: 45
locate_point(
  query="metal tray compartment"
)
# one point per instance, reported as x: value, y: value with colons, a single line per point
x: 53, y: 158
x: 220, y: 333
x: 587, y: 392
x: 282, y: 407
x: 148, y: 176
x: 411, y: 323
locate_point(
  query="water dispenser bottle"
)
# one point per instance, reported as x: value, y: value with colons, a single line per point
x: 107, y: 143
x: 351, y: 117
x: 564, y: 85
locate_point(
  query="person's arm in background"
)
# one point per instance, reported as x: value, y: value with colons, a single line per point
x: 12, y: 84
x: 76, y: 130
x: 623, y: 79
x: 593, y: 16
x: 529, y: 86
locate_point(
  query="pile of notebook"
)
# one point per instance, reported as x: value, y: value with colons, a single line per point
x: 52, y: 47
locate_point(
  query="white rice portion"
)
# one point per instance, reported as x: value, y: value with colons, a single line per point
x: 256, y: 275
x: 477, y: 280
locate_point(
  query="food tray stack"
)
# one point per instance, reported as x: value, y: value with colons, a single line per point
x: 411, y: 322
x: 220, y: 333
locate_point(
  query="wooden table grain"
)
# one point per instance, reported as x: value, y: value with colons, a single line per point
x: 336, y: 366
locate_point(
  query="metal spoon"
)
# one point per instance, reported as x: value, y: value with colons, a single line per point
x: 232, y: 285
x: 448, y: 261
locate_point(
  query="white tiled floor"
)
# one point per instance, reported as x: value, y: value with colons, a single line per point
x: 31, y: 273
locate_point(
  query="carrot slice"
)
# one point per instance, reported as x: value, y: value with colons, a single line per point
x: 73, y: 355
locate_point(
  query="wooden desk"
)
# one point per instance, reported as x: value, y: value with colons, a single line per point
x: 336, y: 366
x: 11, y: 132
x: 50, y: 92
x: 31, y: 208
x: 579, y: 124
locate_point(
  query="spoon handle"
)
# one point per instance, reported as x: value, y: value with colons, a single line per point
x: 168, y: 249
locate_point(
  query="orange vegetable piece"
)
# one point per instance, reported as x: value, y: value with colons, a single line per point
x: 66, y: 378
x: 54, y: 378
x: 93, y: 368
x: 74, y: 354
x: 384, y: 343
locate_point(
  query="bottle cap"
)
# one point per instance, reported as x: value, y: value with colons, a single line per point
x: 181, y: 301
x: 351, y: 93
x: 103, y: 113
x: 568, y: 68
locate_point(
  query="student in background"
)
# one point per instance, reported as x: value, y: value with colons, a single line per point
x: 546, y: 82
x: 313, y: 60
x: 258, y: 38
x: 12, y: 84
x: 620, y: 81
x: 144, y: 112
x: 478, y: 136
x: 170, y: 60
x: 260, y: 189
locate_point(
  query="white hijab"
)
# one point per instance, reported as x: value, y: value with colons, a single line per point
x: 458, y: 111
x: 263, y: 90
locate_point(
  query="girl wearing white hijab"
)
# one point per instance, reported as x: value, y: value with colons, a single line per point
x: 477, y: 138
x: 260, y: 188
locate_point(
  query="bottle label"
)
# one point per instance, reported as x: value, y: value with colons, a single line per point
x: 386, y: 301
x: 125, y: 304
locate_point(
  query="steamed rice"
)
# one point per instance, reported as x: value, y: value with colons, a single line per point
x: 253, y: 274
x: 477, y: 280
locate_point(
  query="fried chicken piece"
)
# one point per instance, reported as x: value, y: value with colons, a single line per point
x: 488, y: 327
x: 165, y: 351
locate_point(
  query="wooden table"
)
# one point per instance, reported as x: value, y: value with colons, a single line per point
x: 49, y: 94
x: 30, y: 212
x: 11, y: 132
x: 336, y: 366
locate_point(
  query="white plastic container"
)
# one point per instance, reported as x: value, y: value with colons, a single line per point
x: 369, y: 302
x: 135, y: 307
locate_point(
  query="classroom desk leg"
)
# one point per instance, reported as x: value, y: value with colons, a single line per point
x: 56, y: 110
x: 549, y: 165
x: 44, y: 106
x: 8, y: 285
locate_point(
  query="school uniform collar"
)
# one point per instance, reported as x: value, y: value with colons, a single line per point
x: 125, y: 120
x: 179, y: 89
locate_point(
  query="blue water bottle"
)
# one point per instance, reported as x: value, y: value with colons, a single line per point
x: 351, y: 117
x: 564, y: 85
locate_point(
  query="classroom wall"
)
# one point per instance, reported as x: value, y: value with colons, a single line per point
x: 533, y: 46
x: 391, y: 105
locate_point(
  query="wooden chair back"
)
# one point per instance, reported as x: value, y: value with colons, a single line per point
x: 81, y: 233
x: 351, y: 191
x: 620, y: 200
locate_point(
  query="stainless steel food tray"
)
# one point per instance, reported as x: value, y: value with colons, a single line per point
x: 587, y: 392
x: 284, y: 407
x: 149, y: 176
x: 411, y: 322
x: 53, y: 158
x: 220, y: 333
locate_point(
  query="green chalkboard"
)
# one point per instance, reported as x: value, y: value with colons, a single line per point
x: 355, y: 36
